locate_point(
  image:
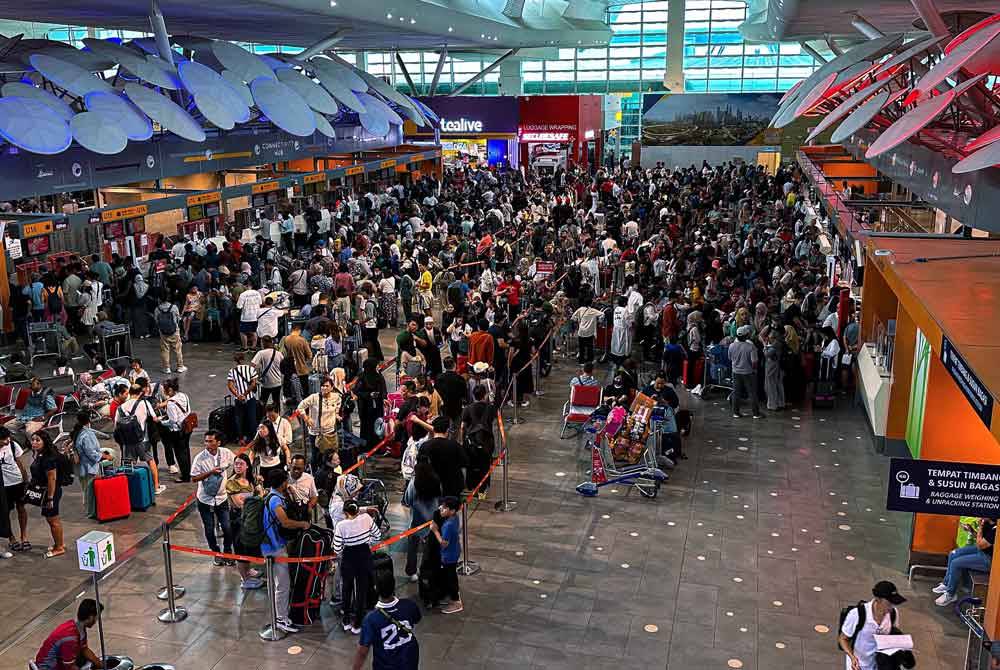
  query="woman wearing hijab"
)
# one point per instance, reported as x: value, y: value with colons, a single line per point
x: 759, y: 317
x: 371, y: 393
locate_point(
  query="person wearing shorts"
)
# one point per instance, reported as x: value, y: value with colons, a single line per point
x: 140, y: 451
x: 13, y: 475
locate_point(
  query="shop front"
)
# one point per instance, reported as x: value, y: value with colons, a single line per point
x: 927, y: 373
x: 480, y: 130
x: 559, y: 131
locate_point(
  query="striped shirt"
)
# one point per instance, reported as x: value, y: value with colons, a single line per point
x: 242, y: 377
x: 361, y: 530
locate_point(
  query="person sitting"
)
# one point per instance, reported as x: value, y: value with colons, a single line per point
x: 975, y: 557
x: 41, y: 405
x: 66, y: 647
x: 586, y: 376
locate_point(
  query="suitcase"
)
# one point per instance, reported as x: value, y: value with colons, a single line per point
x: 224, y: 419
x: 603, y: 339
x: 140, y: 486
x: 112, y: 497
x: 695, y: 377
x: 825, y: 395
x: 308, y: 580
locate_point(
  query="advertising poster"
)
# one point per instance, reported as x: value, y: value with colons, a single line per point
x: 709, y: 119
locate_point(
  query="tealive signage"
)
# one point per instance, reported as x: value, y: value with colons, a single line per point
x: 473, y: 115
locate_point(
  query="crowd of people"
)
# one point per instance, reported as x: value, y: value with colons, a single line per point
x: 478, y: 276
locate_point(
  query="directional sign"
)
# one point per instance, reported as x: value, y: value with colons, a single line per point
x: 944, y: 487
x: 96, y: 551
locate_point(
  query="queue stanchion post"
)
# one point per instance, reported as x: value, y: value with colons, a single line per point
x: 517, y: 405
x: 174, y: 613
x: 467, y: 567
x: 505, y: 504
x: 270, y: 631
x: 177, y: 590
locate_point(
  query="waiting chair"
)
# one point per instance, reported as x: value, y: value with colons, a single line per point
x: 583, y: 400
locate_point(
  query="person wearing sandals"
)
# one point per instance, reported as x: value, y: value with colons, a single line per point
x: 239, y: 487
x: 14, y: 476
x: 45, y: 475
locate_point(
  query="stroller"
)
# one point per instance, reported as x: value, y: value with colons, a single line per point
x: 373, y: 494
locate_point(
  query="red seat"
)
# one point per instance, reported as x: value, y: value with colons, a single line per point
x: 583, y: 400
x: 22, y: 399
x: 6, y: 393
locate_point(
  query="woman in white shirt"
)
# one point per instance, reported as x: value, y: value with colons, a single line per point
x: 176, y: 441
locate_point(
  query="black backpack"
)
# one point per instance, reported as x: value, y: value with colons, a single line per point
x: 54, y: 301
x: 128, y: 428
x: 862, y: 617
x: 165, y: 321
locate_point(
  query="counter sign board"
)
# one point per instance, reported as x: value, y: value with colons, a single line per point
x: 972, y: 388
x: 943, y: 487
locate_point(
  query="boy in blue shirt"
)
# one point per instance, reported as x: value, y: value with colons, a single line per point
x: 451, y: 550
x: 388, y: 629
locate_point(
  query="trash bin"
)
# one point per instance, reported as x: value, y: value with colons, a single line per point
x: 119, y: 662
x: 157, y: 666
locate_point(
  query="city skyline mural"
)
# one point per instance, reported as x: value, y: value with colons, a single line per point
x: 709, y: 119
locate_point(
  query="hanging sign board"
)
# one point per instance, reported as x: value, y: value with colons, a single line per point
x: 124, y: 213
x: 943, y: 487
x: 35, y: 229
x: 204, y: 198
x: 264, y: 187
x: 357, y: 169
x: 971, y: 386
x: 14, y: 248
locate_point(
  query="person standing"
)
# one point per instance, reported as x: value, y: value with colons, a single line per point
x: 249, y: 304
x: 209, y: 470
x: 446, y: 456
x: 447, y: 534
x: 168, y: 319
x: 275, y: 546
x: 388, y: 630
x: 45, y: 474
x: 84, y: 440
x: 368, y: 321
x: 352, y: 541
x: 878, y: 616
x: 242, y: 382
x: 267, y: 362
x: 321, y: 413
x: 176, y: 430
x: 743, y: 357
x: 14, y: 476
x: 587, y: 318
x: 422, y: 496
x: 132, y: 432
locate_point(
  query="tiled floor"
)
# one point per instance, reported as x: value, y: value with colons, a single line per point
x: 755, y: 542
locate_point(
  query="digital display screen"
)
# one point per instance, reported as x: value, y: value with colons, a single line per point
x: 260, y: 200
x: 114, y: 229
x: 36, y: 245
x: 212, y: 209
x: 135, y: 225
x: 196, y: 212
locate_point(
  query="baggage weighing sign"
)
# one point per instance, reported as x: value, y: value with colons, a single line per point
x: 972, y: 388
x: 943, y: 487
x: 95, y: 551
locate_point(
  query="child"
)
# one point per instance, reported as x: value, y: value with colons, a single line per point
x: 63, y: 369
x: 446, y: 532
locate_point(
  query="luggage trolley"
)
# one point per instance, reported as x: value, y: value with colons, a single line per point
x: 114, y: 340
x: 645, y: 476
x: 43, y: 340
x: 718, y: 370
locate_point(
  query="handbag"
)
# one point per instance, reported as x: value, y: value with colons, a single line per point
x: 189, y: 423
x: 34, y: 494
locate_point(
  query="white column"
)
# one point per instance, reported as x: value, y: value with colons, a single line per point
x: 673, y: 79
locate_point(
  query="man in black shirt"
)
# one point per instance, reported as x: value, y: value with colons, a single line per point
x: 447, y: 457
x: 452, y: 389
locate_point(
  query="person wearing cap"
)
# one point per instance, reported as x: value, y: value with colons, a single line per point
x: 976, y: 557
x: 868, y: 619
x: 743, y: 357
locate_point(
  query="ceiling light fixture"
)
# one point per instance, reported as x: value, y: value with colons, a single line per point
x: 482, y: 36
x: 450, y: 29
x: 413, y: 21
x: 388, y: 16
x: 401, y: 18
x: 333, y: 3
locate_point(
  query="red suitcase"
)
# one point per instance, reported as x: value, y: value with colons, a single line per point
x: 111, y: 494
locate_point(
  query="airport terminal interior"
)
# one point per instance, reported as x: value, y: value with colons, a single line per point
x: 499, y: 334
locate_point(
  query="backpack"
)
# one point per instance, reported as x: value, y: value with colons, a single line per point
x: 141, y: 287
x: 165, y: 321
x: 54, y: 302
x: 862, y: 616
x: 68, y: 457
x: 253, y: 532
x: 128, y: 429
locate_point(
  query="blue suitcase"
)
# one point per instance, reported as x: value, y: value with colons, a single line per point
x: 140, y: 486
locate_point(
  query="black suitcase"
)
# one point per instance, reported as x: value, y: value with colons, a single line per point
x: 825, y: 395
x: 309, y: 579
x: 428, y: 576
x: 223, y: 419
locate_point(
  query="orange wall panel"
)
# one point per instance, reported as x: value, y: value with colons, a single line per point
x: 878, y: 302
x: 952, y: 432
x: 902, y: 375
